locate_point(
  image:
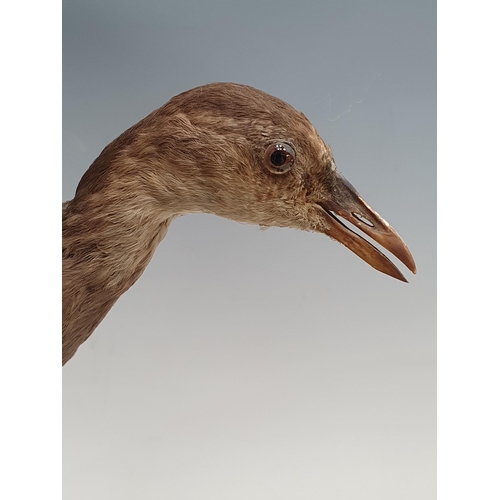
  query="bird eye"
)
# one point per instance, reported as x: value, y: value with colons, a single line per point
x: 279, y: 158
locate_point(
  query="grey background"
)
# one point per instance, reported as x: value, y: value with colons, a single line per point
x: 261, y: 364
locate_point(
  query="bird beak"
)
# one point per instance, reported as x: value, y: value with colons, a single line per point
x: 348, y: 204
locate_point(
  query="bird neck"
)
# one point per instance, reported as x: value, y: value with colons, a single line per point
x: 124, y: 204
x: 107, y: 243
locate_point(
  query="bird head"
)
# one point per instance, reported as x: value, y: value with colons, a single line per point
x: 237, y: 152
x: 260, y: 161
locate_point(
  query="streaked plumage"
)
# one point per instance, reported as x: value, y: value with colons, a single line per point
x: 225, y: 149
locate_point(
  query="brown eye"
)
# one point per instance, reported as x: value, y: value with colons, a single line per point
x: 279, y: 158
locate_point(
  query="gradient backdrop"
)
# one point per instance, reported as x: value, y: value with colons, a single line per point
x: 249, y: 364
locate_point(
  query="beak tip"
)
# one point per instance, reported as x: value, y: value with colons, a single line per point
x: 399, y: 276
x: 412, y: 266
x: 404, y: 255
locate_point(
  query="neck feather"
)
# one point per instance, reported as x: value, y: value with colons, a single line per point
x: 123, y: 206
x: 107, y: 244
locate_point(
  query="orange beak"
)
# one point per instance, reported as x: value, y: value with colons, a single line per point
x: 348, y: 204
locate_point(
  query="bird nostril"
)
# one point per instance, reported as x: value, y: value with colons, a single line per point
x: 362, y: 219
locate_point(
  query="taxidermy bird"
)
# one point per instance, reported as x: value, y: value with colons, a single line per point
x: 224, y: 149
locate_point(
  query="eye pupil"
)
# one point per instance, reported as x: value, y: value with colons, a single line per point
x: 278, y: 158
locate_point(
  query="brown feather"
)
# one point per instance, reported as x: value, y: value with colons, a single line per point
x: 200, y: 152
